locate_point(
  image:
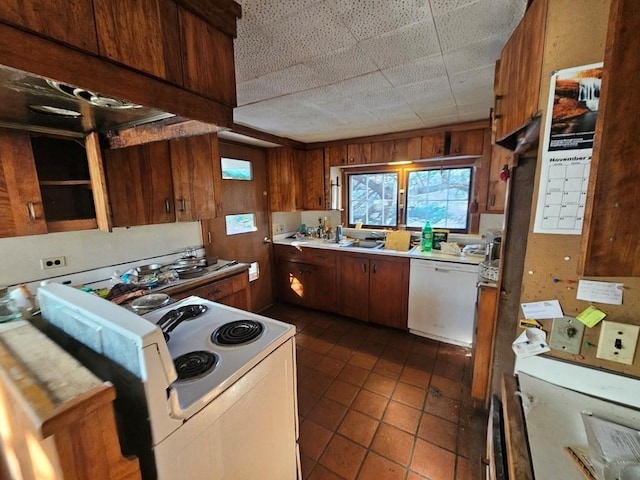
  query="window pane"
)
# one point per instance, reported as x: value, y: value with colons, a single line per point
x: 373, y: 199
x: 440, y: 196
x: 233, y: 169
x: 241, y: 223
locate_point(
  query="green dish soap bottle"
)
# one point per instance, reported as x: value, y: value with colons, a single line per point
x: 427, y: 238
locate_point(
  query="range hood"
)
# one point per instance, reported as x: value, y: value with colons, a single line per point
x: 39, y: 104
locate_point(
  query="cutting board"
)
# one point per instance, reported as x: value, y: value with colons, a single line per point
x: 399, y: 241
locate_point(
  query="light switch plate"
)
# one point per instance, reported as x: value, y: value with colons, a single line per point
x: 566, y: 335
x: 618, y: 342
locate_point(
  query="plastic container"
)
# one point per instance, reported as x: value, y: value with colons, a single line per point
x: 427, y: 238
x: 9, y: 309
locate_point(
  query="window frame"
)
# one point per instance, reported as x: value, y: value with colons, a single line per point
x: 403, y: 180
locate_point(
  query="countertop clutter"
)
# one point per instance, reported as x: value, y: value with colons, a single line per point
x: 348, y: 245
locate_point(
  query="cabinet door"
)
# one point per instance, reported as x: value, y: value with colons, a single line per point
x: 142, y: 34
x: 432, y: 145
x: 291, y: 281
x: 140, y: 185
x: 67, y: 22
x: 468, y: 142
x: 483, y: 342
x: 336, y: 156
x: 208, y: 61
x: 311, y: 183
x: 282, y: 184
x: 520, y: 71
x: 382, y: 152
x: 353, y: 285
x: 388, y: 291
x: 192, y: 170
x: 358, y: 153
x: 407, y: 149
x: 21, y: 208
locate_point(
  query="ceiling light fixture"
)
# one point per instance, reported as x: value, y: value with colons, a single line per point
x: 401, y: 162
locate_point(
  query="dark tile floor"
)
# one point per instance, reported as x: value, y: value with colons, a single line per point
x: 377, y: 403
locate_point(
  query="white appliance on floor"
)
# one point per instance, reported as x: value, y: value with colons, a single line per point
x: 203, y: 390
x: 442, y: 298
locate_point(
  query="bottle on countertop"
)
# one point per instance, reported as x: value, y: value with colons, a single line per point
x: 427, y: 237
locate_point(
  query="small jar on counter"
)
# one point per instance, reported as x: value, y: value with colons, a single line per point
x: 8, y: 308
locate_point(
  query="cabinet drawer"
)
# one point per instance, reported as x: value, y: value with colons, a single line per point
x: 313, y: 256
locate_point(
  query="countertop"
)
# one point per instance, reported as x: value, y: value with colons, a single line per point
x: 412, y: 253
x: 215, y: 272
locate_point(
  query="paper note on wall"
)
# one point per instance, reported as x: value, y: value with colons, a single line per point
x: 600, y: 292
x: 544, y: 309
x: 532, y: 341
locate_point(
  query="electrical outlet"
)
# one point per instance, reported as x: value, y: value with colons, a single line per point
x: 277, y: 228
x: 618, y: 342
x: 52, y: 262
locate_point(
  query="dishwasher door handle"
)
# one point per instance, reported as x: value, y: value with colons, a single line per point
x: 442, y: 270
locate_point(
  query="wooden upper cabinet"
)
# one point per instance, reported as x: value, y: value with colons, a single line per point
x: 407, y: 149
x: 469, y: 142
x: 143, y: 35
x: 282, y: 179
x: 311, y: 185
x: 518, y: 82
x: 21, y: 207
x: 207, y: 58
x: 192, y: 171
x: 400, y: 150
x: 358, y: 153
x: 433, y: 145
x: 140, y: 185
x: 68, y: 22
x: 336, y: 156
x: 382, y: 152
x: 611, y: 233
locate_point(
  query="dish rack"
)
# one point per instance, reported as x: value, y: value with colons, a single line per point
x: 489, y: 270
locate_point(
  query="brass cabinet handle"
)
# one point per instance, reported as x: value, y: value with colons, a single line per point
x: 31, y: 212
x: 495, y: 107
x: 209, y: 237
x: 364, y: 268
x: 183, y: 205
x: 167, y: 206
x: 374, y: 268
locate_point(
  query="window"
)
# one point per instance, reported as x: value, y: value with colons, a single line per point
x: 240, y: 223
x: 233, y: 169
x: 373, y: 199
x: 438, y: 195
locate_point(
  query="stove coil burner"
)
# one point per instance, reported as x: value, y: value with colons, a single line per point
x: 195, y: 364
x: 173, y: 318
x: 237, y: 333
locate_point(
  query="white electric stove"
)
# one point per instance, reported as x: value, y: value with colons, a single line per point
x: 217, y: 383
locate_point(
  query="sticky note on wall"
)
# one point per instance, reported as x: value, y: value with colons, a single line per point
x: 591, y: 316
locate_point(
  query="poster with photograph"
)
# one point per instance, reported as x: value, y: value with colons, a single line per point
x: 567, y: 147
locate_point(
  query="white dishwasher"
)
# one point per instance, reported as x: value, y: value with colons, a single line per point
x: 442, y: 298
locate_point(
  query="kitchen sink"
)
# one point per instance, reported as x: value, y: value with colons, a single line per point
x: 371, y: 244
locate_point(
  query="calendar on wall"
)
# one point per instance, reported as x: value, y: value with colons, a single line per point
x: 567, y: 148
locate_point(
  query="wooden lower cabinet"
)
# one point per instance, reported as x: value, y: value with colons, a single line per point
x: 232, y: 291
x: 306, y: 277
x: 373, y: 288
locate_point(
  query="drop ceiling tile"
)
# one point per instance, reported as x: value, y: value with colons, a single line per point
x: 473, y: 85
x: 438, y: 7
x: 255, y: 90
x: 440, y: 121
x: 427, y: 111
x: 474, y: 55
x: 435, y: 92
x: 265, y: 12
x: 476, y: 21
x: 311, y: 33
x: 258, y: 52
x: 342, y: 65
x: 404, y: 45
x: 372, y: 18
x: 416, y: 72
